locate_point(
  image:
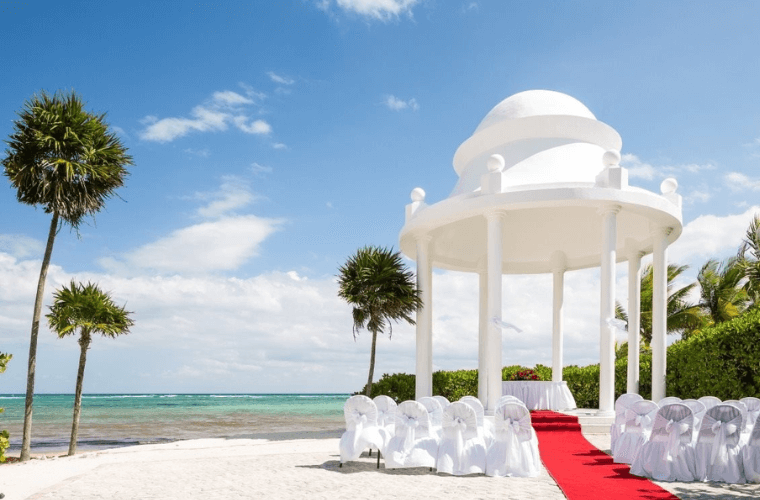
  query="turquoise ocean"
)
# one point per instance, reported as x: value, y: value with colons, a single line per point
x: 114, y: 420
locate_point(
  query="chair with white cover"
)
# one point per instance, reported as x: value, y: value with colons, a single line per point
x: 485, y: 426
x: 362, y: 431
x: 514, y: 450
x: 444, y: 402
x: 698, y: 409
x: 743, y: 408
x: 638, y: 424
x: 751, y: 455
x: 718, y: 455
x: 462, y: 450
x: 668, y: 400
x: 709, y: 401
x: 435, y: 412
x: 413, y: 445
x: 753, y: 410
x: 621, y: 404
x: 668, y: 454
x: 386, y: 415
x: 508, y: 398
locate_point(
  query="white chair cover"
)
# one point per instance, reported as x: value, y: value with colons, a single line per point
x: 485, y: 426
x: 621, y: 404
x: 386, y: 416
x: 698, y: 409
x: 743, y: 408
x: 462, y: 449
x: 444, y: 402
x: 413, y: 445
x: 751, y: 455
x: 509, y: 399
x: 435, y: 412
x: 638, y: 424
x: 718, y: 455
x: 514, y: 450
x: 753, y: 410
x: 362, y: 431
x: 668, y: 400
x: 709, y: 401
x: 668, y: 455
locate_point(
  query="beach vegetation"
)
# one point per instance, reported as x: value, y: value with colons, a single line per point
x: 722, y: 296
x: 381, y: 290
x: 88, y: 310
x: 66, y: 161
x: 4, y: 436
x: 748, y: 259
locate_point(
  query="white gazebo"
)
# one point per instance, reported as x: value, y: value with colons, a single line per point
x: 541, y: 190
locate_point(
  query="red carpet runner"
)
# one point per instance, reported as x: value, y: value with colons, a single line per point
x: 582, y: 471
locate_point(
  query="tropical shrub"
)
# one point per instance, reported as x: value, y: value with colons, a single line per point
x: 399, y: 386
x: 4, y: 441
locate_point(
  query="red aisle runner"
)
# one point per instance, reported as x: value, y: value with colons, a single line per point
x: 581, y: 470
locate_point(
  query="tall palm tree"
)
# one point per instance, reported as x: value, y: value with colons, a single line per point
x: 380, y: 289
x: 682, y: 316
x: 89, y: 310
x: 722, y: 296
x: 66, y: 160
x: 749, y: 260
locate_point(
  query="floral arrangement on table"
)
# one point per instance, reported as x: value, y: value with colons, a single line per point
x: 525, y: 375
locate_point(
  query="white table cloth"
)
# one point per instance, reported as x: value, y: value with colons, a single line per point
x: 540, y: 395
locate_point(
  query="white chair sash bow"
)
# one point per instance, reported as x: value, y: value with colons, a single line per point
x: 721, y: 430
x: 675, y: 430
x: 640, y: 421
x: 410, y: 424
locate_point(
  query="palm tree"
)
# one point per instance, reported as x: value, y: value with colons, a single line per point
x: 64, y: 159
x: 749, y: 260
x: 90, y: 311
x: 380, y: 289
x: 722, y: 296
x: 682, y: 317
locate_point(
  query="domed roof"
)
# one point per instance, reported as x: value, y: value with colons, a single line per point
x: 535, y: 103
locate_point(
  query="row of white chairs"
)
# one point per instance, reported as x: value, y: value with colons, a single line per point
x: 690, y: 440
x: 453, y: 438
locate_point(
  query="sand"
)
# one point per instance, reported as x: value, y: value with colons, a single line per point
x: 279, y: 469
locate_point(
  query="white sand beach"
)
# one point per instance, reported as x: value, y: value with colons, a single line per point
x: 260, y: 468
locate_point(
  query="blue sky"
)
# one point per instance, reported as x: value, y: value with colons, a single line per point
x: 272, y: 139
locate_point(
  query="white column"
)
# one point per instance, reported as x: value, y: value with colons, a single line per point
x: 483, y: 337
x: 424, y: 368
x: 494, y: 269
x: 634, y: 320
x: 659, y: 312
x: 557, y: 324
x: 607, y: 312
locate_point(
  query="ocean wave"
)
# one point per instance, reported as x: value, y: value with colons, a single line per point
x: 250, y: 396
x: 121, y: 396
x: 11, y: 397
x: 168, y: 396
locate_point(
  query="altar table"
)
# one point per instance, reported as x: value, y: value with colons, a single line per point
x: 540, y: 395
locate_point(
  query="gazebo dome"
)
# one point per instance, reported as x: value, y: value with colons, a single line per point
x: 535, y: 103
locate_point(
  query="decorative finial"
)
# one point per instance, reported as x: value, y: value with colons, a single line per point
x: 495, y: 163
x: 418, y: 194
x: 611, y: 158
x: 669, y: 186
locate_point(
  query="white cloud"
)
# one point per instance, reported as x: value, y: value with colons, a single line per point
x: 259, y: 169
x: 216, y: 114
x: 282, y: 80
x: 396, y: 104
x: 21, y: 246
x: 737, y: 181
x: 470, y: 7
x: 203, y: 153
x: 234, y: 193
x: 702, y: 195
x: 642, y: 170
x: 279, y: 145
x: 382, y: 10
x: 636, y: 168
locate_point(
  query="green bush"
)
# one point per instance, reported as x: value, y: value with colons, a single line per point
x: 399, y: 386
x: 4, y: 442
x: 455, y: 385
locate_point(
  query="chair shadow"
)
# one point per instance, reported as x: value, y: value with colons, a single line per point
x: 369, y: 464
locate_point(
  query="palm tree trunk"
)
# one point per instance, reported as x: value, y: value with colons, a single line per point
x: 84, y: 343
x: 371, y: 364
x: 26, y: 440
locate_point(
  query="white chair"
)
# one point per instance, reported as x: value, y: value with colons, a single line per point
x: 413, y: 445
x: 621, y: 405
x: 638, y: 424
x: 386, y: 416
x: 668, y: 400
x: 709, y: 401
x: 743, y: 408
x: 514, y: 450
x: 698, y: 409
x: 444, y: 402
x: 668, y: 455
x: 462, y: 449
x: 751, y: 455
x: 753, y: 410
x: 508, y: 398
x: 362, y: 431
x: 485, y: 426
x: 718, y: 455
x: 435, y: 412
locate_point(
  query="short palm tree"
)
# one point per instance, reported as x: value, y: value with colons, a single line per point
x: 749, y: 260
x: 66, y: 160
x: 380, y: 288
x: 722, y: 295
x: 90, y: 311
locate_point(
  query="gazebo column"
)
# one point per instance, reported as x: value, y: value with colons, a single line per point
x: 607, y: 311
x: 482, y: 337
x: 493, y: 287
x: 634, y: 320
x: 659, y: 312
x: 557, y: 316
x: 424, y: 365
